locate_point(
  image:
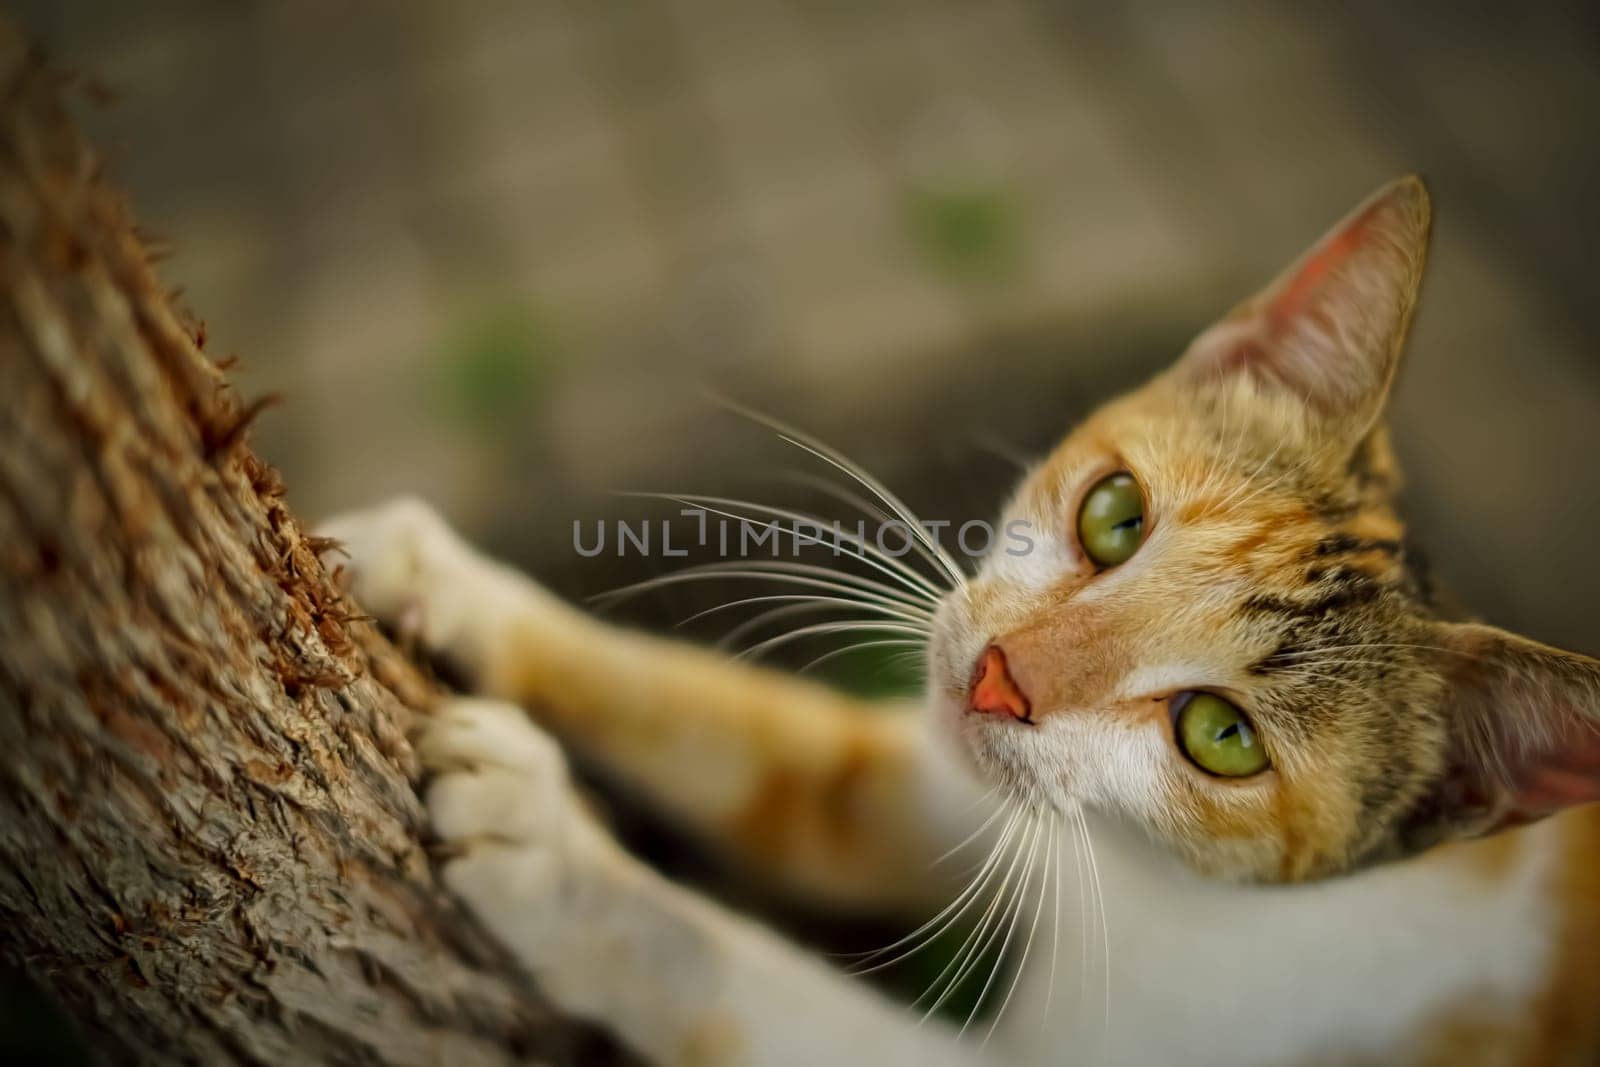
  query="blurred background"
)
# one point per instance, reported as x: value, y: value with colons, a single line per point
x: 495, y: 254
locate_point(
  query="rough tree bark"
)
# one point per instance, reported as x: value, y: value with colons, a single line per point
x: 209, y: 837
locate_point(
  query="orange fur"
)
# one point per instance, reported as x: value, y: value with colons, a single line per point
x: 1274, y: 573
x: 1565, y: 1026
x: 796, y: 783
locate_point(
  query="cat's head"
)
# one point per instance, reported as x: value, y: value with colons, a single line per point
x: 1220, y: 632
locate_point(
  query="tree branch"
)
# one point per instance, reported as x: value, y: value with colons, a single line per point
x: 209, y: 836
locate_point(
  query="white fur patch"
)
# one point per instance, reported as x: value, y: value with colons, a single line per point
x: 1344, y: 970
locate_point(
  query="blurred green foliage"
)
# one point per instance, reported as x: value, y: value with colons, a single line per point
x: 966, y: 232
x: 492, y: 365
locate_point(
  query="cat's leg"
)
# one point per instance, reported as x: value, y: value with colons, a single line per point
x: 823, y: 792
x: 675, y: 977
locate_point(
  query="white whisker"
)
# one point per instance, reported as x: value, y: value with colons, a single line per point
x: 801, y: 574
x: 1055, y: 918
x: 1248, y: 487
x: 1001, y: 450
x: 1083, y: 915
x: 866, y: 507
x: 866, y: 552
x: 938, y: 923
x: 977, y: 942
x: 861, y: 646
x: 811, y: 600
x: 916, y: 656
x: 855, y: 471
x: 738, y: 633
x: 1100, y: 908
x: 1382, y: 646
x: 972, y: 836
x: 907, y: 614
x: 1033, y: 930
x: 828, y: 628
x: 1013, y: 914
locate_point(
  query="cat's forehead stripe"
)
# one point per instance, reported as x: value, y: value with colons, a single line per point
x: 1340, y: 590
x: 1344, y: 544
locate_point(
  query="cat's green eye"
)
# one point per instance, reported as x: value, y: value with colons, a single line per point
x: 1218, y: 738
x: 1111, y: 520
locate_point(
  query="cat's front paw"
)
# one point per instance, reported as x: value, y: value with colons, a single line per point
x: 515, y: 838
x: 606, y: 939
x: 408, y: 568
x: 400, y: 555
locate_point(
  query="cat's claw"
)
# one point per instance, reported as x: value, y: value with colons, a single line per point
x: 410, y: 570
x: 391, y: 551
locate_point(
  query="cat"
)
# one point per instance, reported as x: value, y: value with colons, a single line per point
x: 1314, y: 805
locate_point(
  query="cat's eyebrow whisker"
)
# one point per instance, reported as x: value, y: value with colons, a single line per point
x: 1249, y: 489
x: 1299, y: 672
x: 1001, y: 450
x: 1218, y: 461
x: 855, y: 471
x: 1356, y: 689
x: 1382, y: 646
x: 1325, y: 670
x: 866, y: 552
x: 1310, y: 667
x: 1284, y: 478
x: 1224, y: 456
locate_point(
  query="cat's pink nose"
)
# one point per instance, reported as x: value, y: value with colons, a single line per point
x: 993, y: 690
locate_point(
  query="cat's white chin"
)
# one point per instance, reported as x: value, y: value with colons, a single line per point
x: 1000, y: 752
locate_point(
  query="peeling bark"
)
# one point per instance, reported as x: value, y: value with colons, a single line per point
x: 209, y: 836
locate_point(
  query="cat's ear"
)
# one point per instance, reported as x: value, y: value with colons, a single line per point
x: 1330, y: 328
x: 1524, y: 722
